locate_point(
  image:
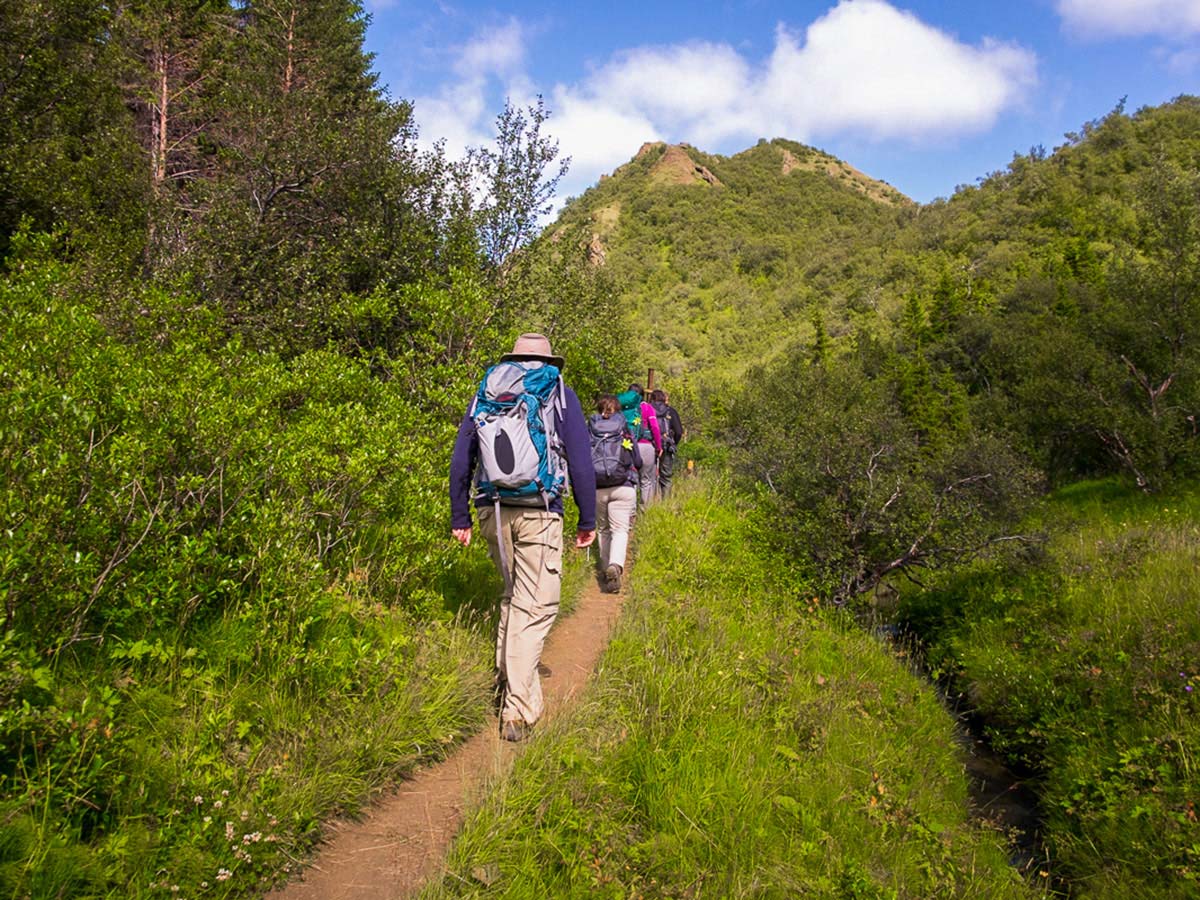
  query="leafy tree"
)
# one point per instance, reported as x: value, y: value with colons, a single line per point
x: 519, y: 177
x: 855, y: 490
x: 67, y: 154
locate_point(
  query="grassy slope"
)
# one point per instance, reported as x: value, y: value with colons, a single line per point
x: 1086, y: 664
x: 738, y: 743
x: 718, y: 278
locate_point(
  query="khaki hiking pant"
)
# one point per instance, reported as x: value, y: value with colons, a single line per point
x: 615, y: 510
x: 648, y: 475
x: 533, y: 549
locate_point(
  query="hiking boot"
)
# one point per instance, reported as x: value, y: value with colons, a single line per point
x: 514, y: 730
x: 612, y: 579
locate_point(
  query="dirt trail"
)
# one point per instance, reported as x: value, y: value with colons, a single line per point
x: 401, y: 842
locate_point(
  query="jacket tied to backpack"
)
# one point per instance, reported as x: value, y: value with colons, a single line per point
x: 516, y: 412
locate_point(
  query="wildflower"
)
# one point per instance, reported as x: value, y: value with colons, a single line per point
x: 224, y: 874
x: 197, y: 799
x: 217, y: 804
x: 245, y: 815
x: 207, y: 820
x: 204, y: 885
x: 224, y: 793
x: 252, y: 838
x: 229, y: 831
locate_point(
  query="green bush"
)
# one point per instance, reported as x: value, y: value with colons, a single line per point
x: 228, y: 595
x: 1082, y: 662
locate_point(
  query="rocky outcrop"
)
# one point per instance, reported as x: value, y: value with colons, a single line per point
x: 595, y: 251
x: 816, y: 161
x: 676, y: 166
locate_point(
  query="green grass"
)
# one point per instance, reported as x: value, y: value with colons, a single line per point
x: 737, y: 742
x: 1084, y: 660
x: 211, y: 770
x: 209, y: 767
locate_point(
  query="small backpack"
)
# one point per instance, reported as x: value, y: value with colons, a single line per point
x: 664, y: 426
x: 612, y: 450
x: 520, y: 453
x: 631, y: 408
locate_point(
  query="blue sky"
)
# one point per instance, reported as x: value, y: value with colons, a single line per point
x: 926, y: 94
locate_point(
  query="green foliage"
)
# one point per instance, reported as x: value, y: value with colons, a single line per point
x: 67, y: 150
x: 519, y: 191
x: 739, y: 744
x: 225, y: 571
x: 864, y: 477
x: 718, y: 277
x: 1082, y: 662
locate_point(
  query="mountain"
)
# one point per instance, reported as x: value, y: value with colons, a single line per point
x: 724, y: 262
x: 721, y: 261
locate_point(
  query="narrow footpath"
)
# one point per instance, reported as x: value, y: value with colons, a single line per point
x: 401, y: 842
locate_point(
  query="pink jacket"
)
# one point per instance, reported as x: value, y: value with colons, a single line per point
x: 650, y: 417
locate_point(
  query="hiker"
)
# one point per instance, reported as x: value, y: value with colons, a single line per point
x: 615, y: 462
x: 672, y: 436
x: 522, y: 427
x: 643, y: 422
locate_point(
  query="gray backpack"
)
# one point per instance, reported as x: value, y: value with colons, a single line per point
x: 612, y: 449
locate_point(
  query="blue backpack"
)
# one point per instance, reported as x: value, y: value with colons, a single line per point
x: 631, y: 408
x: 520, y: 454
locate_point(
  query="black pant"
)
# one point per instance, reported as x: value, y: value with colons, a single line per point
x: 666, y: 467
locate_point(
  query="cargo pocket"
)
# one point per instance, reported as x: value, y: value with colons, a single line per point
x: 546, y: 530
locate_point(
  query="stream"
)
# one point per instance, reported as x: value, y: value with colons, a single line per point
x: 998, y: 796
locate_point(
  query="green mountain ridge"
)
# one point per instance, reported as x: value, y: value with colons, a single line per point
x: 724, y: 259
x: 724, y: 262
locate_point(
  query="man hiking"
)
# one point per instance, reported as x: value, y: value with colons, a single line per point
x: 522, y: 436
x: 672, y: 435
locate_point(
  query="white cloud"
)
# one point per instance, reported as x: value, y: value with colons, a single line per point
x: 870, y: 68
x: 596, y: 135
x: 460, y: 113
x: 1182, y: 62
x: 1131, y: 18
x: 865, y: 68
x: 500, y: 51
x: 690, y: 88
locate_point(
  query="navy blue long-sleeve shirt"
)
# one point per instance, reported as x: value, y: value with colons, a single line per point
x: 572, y: 428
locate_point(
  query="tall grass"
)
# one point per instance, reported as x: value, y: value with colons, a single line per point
x: 737, y: 742
x: 1084, y: 660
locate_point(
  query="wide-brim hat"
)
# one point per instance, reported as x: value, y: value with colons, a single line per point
x: 533, y: 346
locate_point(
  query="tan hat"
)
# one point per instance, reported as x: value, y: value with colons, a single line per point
x: 533, y: 346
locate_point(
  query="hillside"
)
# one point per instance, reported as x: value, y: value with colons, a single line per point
x: 723, y: 260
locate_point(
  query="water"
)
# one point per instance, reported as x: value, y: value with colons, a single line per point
x: 998, y: 796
